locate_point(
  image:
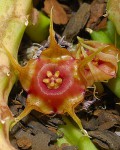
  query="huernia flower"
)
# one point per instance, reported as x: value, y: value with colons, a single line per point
x: 105, y: 63
x: 56, y: 81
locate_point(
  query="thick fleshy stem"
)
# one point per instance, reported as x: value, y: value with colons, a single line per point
x: 73, y: 136
x: 12, y: 27
x: 38, y: 31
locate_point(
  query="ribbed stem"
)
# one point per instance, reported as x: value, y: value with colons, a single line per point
x: 13, y: 21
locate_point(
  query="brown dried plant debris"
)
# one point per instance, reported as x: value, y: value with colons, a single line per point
x: 97, y: 20
x: 105, y: 139
x: 102, y: 120
x: 101, y: 128
x: 31, y: 134
x: 34, y: 16
x: 59, y: 14
x: 107, y: 119
x: 77, y: 22
x: 24, y: 142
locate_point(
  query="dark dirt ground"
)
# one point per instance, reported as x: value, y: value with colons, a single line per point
x: 101, y: 119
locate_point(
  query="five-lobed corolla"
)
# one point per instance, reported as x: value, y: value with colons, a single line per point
x: 56, y: 82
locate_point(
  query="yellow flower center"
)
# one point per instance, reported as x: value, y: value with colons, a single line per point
x: 53, y: 81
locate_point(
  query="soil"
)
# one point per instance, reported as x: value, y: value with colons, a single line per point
x: 101, y: 118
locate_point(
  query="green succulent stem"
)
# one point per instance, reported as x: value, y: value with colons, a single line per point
x: 73, y: 136
x: 38, y: 30
x: 96, y: 35
x: 14, y: 19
